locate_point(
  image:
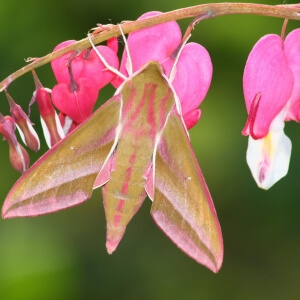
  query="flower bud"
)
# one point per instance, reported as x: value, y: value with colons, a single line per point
x: 17, y: 154
x: 24, y: 125
x: 52, y: 128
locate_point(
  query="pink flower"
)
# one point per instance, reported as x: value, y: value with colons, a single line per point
x: 193, y: 73
x: 76, y: 99
x: 80, y: 76
x: 272, y: 93
x: 86, y: 64
x: 292, y: 52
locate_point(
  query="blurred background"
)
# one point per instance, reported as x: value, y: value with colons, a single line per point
x: 63, y: 255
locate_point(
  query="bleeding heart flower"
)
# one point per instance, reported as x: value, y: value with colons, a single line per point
x: 76, y: 99
x: 60, y: 65
x: 85, y: 64
x: 272, y: 93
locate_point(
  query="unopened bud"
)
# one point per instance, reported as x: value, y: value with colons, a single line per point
x: 52, y: 128
x: 24, y: 125
x: 17, y: 154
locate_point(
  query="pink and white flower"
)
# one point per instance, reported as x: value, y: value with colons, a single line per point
x: 272, y: 94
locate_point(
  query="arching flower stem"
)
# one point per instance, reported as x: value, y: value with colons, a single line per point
x: 211, y: 10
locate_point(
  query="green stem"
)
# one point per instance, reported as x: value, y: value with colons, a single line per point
x: 211, y: 10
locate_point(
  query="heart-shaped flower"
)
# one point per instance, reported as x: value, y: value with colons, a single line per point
x: 85, y: 64
x: 77, y: 101
x: 272, y: 94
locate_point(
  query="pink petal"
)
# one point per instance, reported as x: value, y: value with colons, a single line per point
x: 94, y: 68
x: 191, y: 118
x: 113, y: 44
x: 292, y: 52
x: 60, y: 65
x: 18, y: 156
x: 153, y: 43
x: 193, y: 75
x: 268, y: 73
x: 77, y: 104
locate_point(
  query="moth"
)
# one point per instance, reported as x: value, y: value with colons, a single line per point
x: 135, y: 145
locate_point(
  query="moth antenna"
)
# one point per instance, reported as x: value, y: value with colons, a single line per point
x: 106, y: 64
x: 129, y: 67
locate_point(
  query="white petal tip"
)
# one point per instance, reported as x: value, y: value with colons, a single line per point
x: 268, y: 158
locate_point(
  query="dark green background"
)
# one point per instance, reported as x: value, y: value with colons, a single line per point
x: 63, y: 256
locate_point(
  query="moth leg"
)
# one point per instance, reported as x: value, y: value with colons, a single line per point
x: 103, y: 60
x: 129, y: 67
x: 177, y: 54
x: 188, y: 33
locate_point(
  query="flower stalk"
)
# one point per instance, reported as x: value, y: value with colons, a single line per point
x: 212, y: 10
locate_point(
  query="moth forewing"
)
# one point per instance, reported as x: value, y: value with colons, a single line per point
x: 182, y: 206
x: 65, y: 174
